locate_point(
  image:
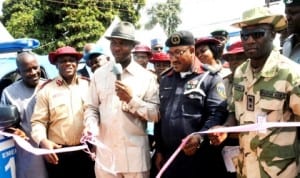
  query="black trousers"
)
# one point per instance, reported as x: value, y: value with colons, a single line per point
x: 76, y: 164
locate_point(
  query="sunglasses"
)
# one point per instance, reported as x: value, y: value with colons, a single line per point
x: 255, y: 34
x: 158, y: 48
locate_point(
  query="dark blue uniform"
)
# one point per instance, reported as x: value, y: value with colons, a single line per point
x: 189, y: 104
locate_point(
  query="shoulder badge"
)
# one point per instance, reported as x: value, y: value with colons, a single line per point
x: 85, y: 78
x: 221, y: 90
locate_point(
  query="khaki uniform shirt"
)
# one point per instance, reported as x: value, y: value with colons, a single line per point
x: 272, y: 95
x: 123, y: 126
x: 58, y: 113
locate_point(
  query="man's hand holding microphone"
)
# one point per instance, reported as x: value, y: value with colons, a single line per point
x: 122, y: 91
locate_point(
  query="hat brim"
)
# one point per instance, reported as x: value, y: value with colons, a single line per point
x: 207, y: 41
x: 53, y: 56
x: 159, y: 60
x: 87, y: 56
x: 278, y: 21
x: 121, y: 37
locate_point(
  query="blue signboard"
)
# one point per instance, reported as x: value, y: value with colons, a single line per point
x: 7, y: 157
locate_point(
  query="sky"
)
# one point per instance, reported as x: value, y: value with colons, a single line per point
x: 203, y: 16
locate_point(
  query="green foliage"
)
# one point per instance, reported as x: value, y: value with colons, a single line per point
x: 58, y: 23
x: 166, y: 14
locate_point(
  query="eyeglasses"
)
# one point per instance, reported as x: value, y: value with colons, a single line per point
x: 177, y: 52
x: 157, y: 48
x: 140, y: 57
x: 255, y: 34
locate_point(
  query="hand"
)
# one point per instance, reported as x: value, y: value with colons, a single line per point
x: 48, y: 144
x: 192, y: 144
x: 159, y: 160
x: 123, y: 91
x: 217, y: 138
x: 18, y: 132
x: 87, y: 137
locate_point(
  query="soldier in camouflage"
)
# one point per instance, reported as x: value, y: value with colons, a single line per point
x: 266, y: 89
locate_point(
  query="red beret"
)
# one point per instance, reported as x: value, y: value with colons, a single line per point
x: 67, y: 50
x: 142, y: 48
x: 207, y: 40
x: 160, y: 57
x: 234, y: 48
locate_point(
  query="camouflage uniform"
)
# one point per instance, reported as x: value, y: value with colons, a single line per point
x: 274, y: 94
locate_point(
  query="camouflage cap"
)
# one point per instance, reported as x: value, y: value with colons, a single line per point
x: 261, y: 15
x: 180, y: 38
x: 290, y: 3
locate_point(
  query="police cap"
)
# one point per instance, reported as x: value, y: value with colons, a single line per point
x: 220, y: 32
x: 290, y: 3
x: 180, y: 38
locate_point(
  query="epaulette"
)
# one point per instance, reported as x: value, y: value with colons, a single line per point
x: 168, y: 72
x: 85, y: 78
x: 44, y: 84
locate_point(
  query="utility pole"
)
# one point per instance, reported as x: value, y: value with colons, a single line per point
x: 267, y: 2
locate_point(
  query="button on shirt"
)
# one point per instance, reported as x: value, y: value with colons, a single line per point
x: 58, y: 113
x: 123, y: 125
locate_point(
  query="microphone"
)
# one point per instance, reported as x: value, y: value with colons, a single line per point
x: 118, y: 69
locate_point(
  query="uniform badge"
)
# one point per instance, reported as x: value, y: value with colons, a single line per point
x: 191, y: 84
x: 175, y: 39
x: 221, y: 90
x: 250, y: 102
x: 59, y: 82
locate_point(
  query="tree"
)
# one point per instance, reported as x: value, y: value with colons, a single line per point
x: 58, y: 23
x: 166, y: 14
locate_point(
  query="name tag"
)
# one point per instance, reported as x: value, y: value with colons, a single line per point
x: 261, y: 121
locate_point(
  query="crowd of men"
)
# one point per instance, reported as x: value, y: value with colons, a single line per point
x: 138, y: 107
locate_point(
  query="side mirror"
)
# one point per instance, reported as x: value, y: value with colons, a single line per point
x: 9, y: 116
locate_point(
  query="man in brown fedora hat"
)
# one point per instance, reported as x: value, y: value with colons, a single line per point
x: 121, y: 100
x: 266, y: 89
x: 57, y: 120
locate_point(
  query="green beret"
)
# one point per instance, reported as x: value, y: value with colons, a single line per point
x: 290, y: 3
x: 220, y: 33
x: 180, y: 38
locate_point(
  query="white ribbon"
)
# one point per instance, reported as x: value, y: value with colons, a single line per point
x: 103, y: 152
x: 252, y: 127
x: 106, y: 151
x: 240, y: 128
x: 40, y: 151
